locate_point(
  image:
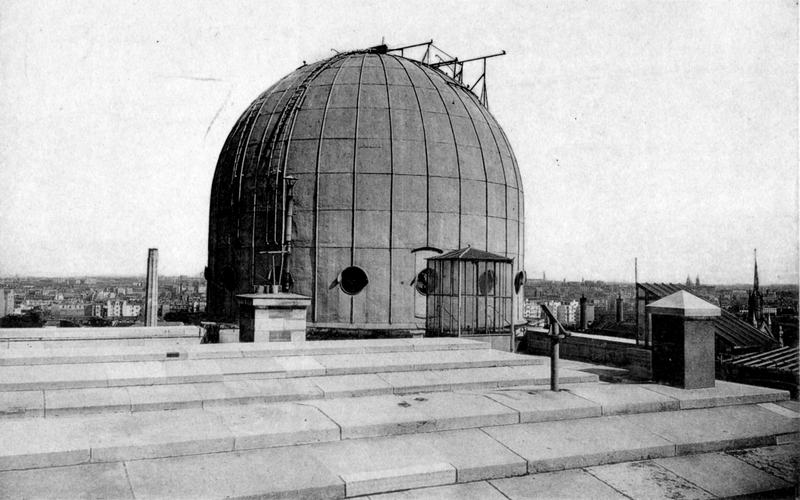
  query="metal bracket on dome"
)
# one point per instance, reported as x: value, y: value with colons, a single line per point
x: 457, y: 67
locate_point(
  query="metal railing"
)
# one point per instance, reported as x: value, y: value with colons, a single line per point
x: 556, y: 334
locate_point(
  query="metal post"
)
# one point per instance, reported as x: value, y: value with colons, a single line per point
x: 512, y: 333
x: 554, y: 340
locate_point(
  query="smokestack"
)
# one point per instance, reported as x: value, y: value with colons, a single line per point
x: 151, y: 293
x: 620, y: 315
x: 583, y: 313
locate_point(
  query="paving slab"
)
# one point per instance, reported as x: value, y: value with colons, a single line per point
x: 289, y: 472
x: 27, y: 378
x: 348, y: 364
x: 566, y: 444
x: 463, y: 410
x: 164, y: 397
x: 21, y: 404
x: 474, y: 454
x: 781, y: 461
x: 724, y: 475
x: 567, y: 485
x: 472, y: 378
x: 116, y: 437
x: 376, y: 416
x: 282, y: 424
x: 67, y: 402
x: 716, y: 429
x: 722, y: 394
x: 37, y: 442
x: 537, y: 405
x: 647, y: 479
x: 411, y: 382
x: 443, y: 343
x: 250, y: 368
x: 540, y: 375
x: 481, y: 490
x: 134, y: 373
x: 780, y: 410
x: 230, y: 392
x: 192, y: 371
x: 619, y: 399
x: 89, y: 481
x: 380, y: 465
x: 279, y: 390
x: 341, y: 386
x: 300, y: 366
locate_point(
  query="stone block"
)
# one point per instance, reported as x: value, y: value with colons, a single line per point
x: 272, y: 425
x: 135, y: 373
x: 475, y: 455
x: 289, y: 472
x: 42, y: 442
x: 461, y: 491
x: 192, y: 371
x: 41, y: 377
x: 164, y: 397
x: 136, y: 436
x: 287, y: 389
x: 619, y: 399
x: 567, y: 485
x: 722, y: 394
x: 230, y: 392
x: 411, y: 382
x: 398, y: 478
x: 86, y: 401
x: 544, y: 405
x: 21, y: 404
x: 342, y: 386
x: 724, y: 476
x: 568, y: 444
x: 77, y: 481
x: 647, y: 480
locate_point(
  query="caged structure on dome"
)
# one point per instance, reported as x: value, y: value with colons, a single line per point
x: 340, y: 180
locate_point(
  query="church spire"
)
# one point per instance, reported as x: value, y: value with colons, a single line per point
x: 755, y: 273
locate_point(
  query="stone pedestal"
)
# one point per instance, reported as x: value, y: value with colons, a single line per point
x: 273, y: 317
x: 683, y: 340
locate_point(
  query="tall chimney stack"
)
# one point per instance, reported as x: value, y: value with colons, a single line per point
x: 620, y: 314
x: 583, y: 313
x: 151, y: 293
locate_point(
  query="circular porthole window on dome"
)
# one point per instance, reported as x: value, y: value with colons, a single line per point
x: 425, y: 283
x: 352, y: 280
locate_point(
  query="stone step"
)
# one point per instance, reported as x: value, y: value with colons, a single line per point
x: 216, y: 468
x: 64, y: 402
x: 187, y: 371
x: 32, y: 339
x: 573, y: 428
x: 105, y: 354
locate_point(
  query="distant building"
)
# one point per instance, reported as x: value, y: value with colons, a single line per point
x: 6, y: 302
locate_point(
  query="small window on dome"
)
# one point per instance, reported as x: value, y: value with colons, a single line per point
x: 352, y: 280
x: 425, y: 283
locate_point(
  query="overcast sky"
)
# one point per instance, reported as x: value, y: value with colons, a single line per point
x: 666, y: 131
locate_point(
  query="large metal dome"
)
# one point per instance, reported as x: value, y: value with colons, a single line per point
x: 394, y: 161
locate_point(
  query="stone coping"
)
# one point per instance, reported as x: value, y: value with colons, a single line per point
x: 356, y: 431
x: 94, y: 333
x: 104, y: 354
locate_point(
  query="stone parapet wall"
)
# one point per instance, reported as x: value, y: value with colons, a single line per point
x: 601, y: 351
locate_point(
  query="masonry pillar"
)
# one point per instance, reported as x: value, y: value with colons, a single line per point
x: 151, y: 292
x: 683, y: 340
x: 273, y: 317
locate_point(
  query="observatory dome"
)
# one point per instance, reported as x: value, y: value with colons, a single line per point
x: 387, y: 161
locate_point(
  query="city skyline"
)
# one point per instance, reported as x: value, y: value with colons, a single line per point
x: 663, y: 131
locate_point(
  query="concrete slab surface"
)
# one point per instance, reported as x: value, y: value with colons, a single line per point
x: 781, y: 461
x: 289, y: 472
x: 251, y: 367
x: 36, y: 442
x: 467, y: 491
x: 544, y: 405
x: 278, y: 390
x: 27, y: 378
x: 89, y: 481
x: 341, y: 386
x: 647, y: 479
x: 300, y: 366
x: 567, y: 485
x: 132, y: 373
x: 475, y: 455
x: 21, y: 404
x: 716, y: 429
x: 192, y: 371
x: 379, y: 465
x: 618, y: 399
x: 411, y: 382
x: 164, y: 397
x: 66, y: 402
x: 265, y: 426
x: 230, y: 392
x: 567, y: 444
x: 723, y: 475
x: 723, y: 393
x: 118, y: 437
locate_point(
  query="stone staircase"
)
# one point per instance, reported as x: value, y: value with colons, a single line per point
x: 345, y: 419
